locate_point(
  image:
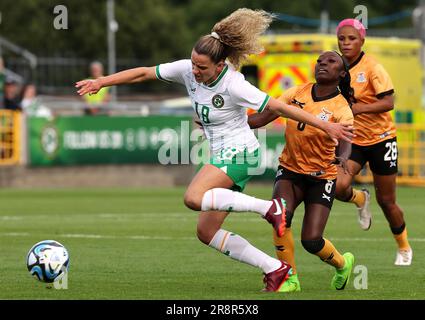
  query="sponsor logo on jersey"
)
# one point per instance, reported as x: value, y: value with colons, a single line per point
x: 218, y: 101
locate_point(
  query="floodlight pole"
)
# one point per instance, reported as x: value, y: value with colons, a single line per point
x: 112, y: 27
x: 324, y: 17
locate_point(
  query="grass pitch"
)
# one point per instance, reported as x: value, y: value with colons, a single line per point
x: 141, y: 244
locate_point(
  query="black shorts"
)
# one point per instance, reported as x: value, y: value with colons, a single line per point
x: 315, y: 190
x: 382, y: 157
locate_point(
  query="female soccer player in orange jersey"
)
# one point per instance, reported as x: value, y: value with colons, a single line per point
x: 375, y: 138
x: 308, y: 170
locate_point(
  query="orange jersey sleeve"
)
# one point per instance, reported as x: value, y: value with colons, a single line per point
x: 371, y: 82
x: 309, y: 150
x: 288, y: 95
x: 381, y: 80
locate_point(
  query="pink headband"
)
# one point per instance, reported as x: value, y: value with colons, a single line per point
x: 356, y: 24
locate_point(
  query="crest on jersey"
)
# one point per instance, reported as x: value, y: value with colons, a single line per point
x: 325, y: 114
x: 361, y: 77
x: 218, y: 101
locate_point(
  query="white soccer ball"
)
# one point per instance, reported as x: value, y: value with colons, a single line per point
x: 48, y: 260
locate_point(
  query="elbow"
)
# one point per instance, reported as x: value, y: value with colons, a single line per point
x: 257, y: 123
x: 252, y: 121
x: 252, y: 125
x: 275, y: 111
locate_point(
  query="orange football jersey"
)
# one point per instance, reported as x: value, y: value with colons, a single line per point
x: 309, y: 150
x: 370, y: 82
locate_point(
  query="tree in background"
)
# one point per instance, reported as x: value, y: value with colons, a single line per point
x: 150, y: 31
x: 153, y: 30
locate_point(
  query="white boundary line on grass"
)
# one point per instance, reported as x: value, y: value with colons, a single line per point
x: 97, y: 236
x: 145, y: 237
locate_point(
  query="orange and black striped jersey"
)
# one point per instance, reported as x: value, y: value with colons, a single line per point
x: 309, y: 150
x: 371, y: 82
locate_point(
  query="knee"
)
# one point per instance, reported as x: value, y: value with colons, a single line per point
x: 341, y: 190
x: 385, y: 202
x: 192, y: 201
x: 313, y: 246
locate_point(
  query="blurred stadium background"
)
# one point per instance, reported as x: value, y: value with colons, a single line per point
x: 47, y: 46
x: 59, y: 140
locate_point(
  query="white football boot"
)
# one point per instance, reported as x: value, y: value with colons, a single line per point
x: 404, y: 257
x: 365, y: 216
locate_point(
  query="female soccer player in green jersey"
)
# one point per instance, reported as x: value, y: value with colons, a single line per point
x: 220, y: 96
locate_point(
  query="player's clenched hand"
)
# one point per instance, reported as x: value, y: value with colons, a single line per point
x: 88, y: 86
x: 337, y: 131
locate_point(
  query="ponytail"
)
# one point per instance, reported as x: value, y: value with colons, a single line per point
x: 235, y: 37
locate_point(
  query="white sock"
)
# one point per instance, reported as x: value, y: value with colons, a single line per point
x: 239, y: 249
x: 228, y: 200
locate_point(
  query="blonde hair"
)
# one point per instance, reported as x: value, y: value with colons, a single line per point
x: 235, y: 37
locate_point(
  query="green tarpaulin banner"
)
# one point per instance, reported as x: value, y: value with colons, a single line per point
x: 104, y: 139
x: 163, y: 140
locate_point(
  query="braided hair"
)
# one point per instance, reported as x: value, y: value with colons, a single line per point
x: 344, y: 84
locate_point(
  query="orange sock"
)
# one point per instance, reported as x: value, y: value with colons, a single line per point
x: 285, y: 248
x: 358, y: 198
x: 330, y: 255
x: 401, y: 239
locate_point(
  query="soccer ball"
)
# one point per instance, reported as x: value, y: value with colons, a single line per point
x: 48, y: 260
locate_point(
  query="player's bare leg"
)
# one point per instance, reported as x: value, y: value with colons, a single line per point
x: 361, y: 198
x: 385, y: 188
x: 204, y: 193
x: 285, y: 248
x: 209, y: 230
x: 314, y: 223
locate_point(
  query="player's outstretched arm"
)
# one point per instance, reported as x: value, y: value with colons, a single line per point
x: 258, y: 120
x: 127, y: 76
x: 335, y: 131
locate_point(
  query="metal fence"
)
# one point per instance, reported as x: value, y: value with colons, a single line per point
x: 57, y: 75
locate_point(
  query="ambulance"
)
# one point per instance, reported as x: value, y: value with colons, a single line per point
x: 289, y: 60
